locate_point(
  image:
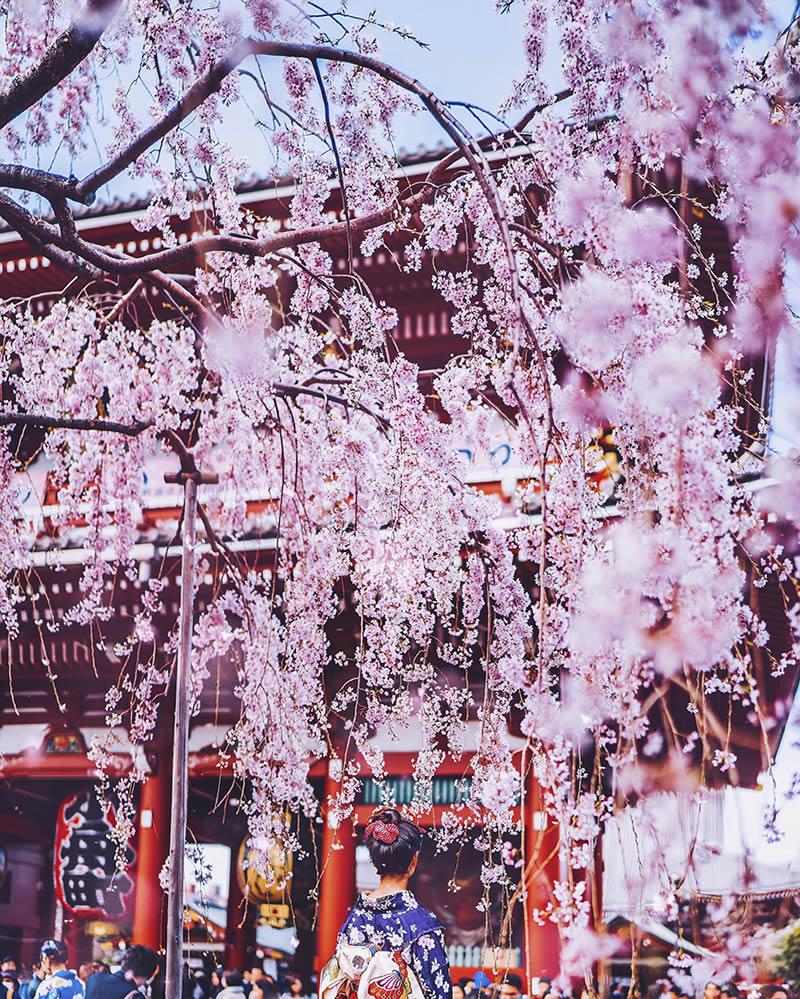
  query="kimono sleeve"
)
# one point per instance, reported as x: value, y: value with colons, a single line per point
x: 428, y: 959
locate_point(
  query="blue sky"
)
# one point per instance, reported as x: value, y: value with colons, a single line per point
x: 474, y: 55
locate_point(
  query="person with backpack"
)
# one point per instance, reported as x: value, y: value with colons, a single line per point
x: 389, y: 946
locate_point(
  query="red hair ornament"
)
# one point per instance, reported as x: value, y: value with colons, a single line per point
x: 384, y: 832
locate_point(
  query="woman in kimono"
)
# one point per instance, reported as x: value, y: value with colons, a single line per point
x: 389, y: 917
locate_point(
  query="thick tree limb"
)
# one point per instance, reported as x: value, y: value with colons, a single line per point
x: 67, y: 423
x: 200, y: 91
x: 211, y: 81
x: 25, y: 178
x: 61, y: 57
x: 110, y: 262
x: 57, y: 189
x: 192, y: 251
x: 46, y: 238
x: 139, y: 426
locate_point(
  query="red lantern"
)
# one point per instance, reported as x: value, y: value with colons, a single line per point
x: 87, y: 881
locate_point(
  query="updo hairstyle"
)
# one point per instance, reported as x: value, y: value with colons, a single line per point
x: 392, y: 841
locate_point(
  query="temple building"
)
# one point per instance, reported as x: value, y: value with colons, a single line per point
x: 57, y: 851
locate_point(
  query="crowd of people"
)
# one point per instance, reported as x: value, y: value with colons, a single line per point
x: 51, y: 978
x: 510, y: 986
x: 234, y: 984
x: 712, y: 990
x: 138, y: 975
x: 507, y: 986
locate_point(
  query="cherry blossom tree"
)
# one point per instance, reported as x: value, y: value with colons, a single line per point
x: 589, y: 305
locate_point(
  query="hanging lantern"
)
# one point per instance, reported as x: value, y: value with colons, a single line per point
x: 87, y: 881
x: 254, y: 885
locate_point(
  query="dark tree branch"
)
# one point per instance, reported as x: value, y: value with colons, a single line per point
x: 61, y: 57
x: 67, y: 239
x: 46, y: 239
x: 174, y: 439
x: 339, y: 171
x: 109, y: 261
x: 177, y: 291
x: 293, y: 391
x: 189, y: 253
x: 66, y: 222
x: 528, y: 117
x: 123, y: 303
x: 210, y: 83
x: 25, y: 178
x: 192, y: 99
x: 67, y: 423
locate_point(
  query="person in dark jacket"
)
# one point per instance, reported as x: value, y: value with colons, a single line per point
x: 10, y: 978
x: 9, y: 984
x: 138, y: 966
x: 28, y: 989
x: 202, y: 985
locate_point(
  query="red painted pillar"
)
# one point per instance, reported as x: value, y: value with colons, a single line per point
x: 338, y: 883
x: 78, y: 943
x: 240, y: 922
x: 542, y: 868
x: 152, y: 851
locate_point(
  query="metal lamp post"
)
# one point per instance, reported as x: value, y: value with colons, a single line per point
x: 189, y: 477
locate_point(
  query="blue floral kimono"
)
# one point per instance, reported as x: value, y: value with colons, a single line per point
x: 398, y: 922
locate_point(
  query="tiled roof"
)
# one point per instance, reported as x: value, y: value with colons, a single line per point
x: 254, y: 183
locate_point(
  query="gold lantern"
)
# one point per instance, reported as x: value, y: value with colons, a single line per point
x: 254, y: 885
